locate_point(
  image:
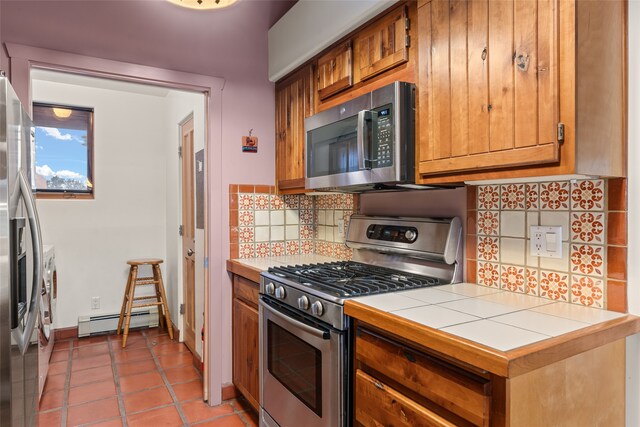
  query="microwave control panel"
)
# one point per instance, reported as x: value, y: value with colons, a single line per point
x: 392, y: 233
x: 382, y: 141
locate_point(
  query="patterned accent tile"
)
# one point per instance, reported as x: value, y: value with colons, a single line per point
x: 554, y: 285
x: 512, y: 197
x: 587, y: 195
x: 532, y: 200
x: 587, y: 227
x: 532, y: 285
x: 246, y: 234
x: 293, y: 247
x: 512, y: 278
x: 306, y: 232
x: 587, y: 259
x: 488, y: 274
x: 488, y: 222
x: 292, y: 201
x: 306, y: 202
x: 306, y: 247
x: 488, y: 197
x: 306, y: 216
x: 245, y: 202
x: 587, y: 291
x: 554, y: 195
x: 277, y: 202
x: 262, y: 202
x: 245, y: 218
x: 263, y: 249
x: 247, y: 250
x: 277, y: 249
x: 488, y: 248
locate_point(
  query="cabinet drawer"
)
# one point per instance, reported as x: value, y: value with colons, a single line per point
x: 246, y: 290
x: 378, y: 404
x: 461, y: 392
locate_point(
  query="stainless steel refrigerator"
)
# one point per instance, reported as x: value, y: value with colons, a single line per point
x: 20, y: 266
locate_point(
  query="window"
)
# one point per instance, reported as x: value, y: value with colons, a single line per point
x: 63, y: 151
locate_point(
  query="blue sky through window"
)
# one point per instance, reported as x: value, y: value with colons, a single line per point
x: 61, y: 157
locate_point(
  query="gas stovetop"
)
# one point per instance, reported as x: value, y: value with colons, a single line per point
x: 347, y: 279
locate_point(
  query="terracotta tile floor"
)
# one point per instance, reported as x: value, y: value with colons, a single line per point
x: 152, y: 382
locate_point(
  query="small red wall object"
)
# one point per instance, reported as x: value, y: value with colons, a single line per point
x: 249, y: 144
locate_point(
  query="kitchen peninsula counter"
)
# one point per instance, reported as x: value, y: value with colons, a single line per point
x: 500, y: 332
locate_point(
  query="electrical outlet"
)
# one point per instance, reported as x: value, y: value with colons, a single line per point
x: 546, y: 241
x: 95, y: 303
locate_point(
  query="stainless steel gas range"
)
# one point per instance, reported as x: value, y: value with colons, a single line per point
x: 305, y: 339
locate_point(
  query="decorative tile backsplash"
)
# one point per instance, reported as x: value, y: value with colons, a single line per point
x: 592, y: 213
x: 263, y: 223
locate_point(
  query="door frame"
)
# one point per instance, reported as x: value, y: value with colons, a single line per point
x: 24, y: 58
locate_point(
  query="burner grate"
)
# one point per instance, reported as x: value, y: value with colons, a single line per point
x: 350, y: 279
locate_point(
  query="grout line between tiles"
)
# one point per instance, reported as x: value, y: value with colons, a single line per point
x: 116, y: 380
x: 183, y: 417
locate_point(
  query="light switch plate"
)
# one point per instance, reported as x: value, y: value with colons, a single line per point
x: 546, y: 241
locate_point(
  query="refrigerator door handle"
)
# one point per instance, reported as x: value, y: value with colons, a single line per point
x: 23, y: 337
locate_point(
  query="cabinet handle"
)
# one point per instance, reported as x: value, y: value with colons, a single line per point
x: 484, y: 54
x: 410, y: 357
x: 378, y: 385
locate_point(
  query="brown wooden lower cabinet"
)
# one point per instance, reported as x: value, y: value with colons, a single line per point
x: 246, y: 351
x: 397, y: 383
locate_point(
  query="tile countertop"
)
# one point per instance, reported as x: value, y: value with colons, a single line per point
x: 252, y: 267
x: 499, y: 331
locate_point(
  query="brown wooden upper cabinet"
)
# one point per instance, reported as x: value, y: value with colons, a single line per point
x: 294, y: 102
x: 488, y: 84
x: 335, y: 70
x: 383, y: 44
x: 517, y: 88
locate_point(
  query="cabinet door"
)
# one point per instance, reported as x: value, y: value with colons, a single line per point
x: 246, y: 352
x: 294, y: 102
x: 383, y: 44
x: 488, y: 86
x: 334, y: 71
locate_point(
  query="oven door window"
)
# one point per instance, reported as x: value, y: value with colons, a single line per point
x: 297, y: 365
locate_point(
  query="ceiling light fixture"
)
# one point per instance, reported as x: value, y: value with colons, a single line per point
x: 62, y: 113
x: 204, y: 4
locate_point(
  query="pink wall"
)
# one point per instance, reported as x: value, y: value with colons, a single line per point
x: 230, y: 44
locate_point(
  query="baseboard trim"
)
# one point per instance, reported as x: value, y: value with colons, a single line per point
x: 229, y: 391
x: 176, y: 331
x: 66, y: 333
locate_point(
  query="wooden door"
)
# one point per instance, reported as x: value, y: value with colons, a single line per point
x: 294, y: 102
x: 488, y: 86
x: 188, y: 236
x: 246, y: 351
x: 334, y: 71
x: 384, y: 44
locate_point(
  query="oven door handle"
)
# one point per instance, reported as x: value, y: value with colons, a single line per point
x: 325, y: 335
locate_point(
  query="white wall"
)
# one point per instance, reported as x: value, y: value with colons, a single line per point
x: 178, y: 106
x: 633, y: 254
x: 95, y: 238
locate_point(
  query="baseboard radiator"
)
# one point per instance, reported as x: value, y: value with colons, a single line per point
x: 105, y: 323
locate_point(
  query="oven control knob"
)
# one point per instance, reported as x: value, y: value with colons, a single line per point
x: 317, y: 308
x: 270, y: 288
x: 303, y: 302
x: 280, y: 292
x: 410, y: 235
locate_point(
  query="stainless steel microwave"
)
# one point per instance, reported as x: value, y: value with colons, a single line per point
x: 367, y: 143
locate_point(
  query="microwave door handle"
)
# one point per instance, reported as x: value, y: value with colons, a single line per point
x: 23, y: 337
x: 302, y: 326
x: 363, y: 116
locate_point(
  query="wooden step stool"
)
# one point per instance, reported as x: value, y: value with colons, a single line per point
x: 129, y: 300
